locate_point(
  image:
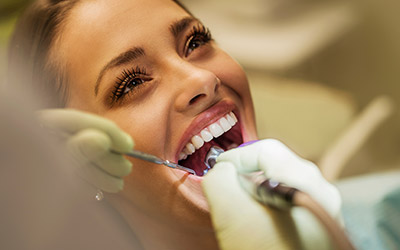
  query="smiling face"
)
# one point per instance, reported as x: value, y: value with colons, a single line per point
x: 154, y: 70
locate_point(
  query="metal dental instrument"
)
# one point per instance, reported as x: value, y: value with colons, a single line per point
x: 139, y: 155
x: 273, y: 193
x: 211, y: 157
x: 154, y: 159
x: 255, y: 183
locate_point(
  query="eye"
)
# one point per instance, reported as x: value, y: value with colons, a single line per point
x: 194, y: 44
x: 198, y: 37
x: 128, y: 82
x: 132, y: 84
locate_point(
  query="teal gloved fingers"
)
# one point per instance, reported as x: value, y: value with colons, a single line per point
x: 93, y: 146
x: 71, y: 121
x: 240, y: 222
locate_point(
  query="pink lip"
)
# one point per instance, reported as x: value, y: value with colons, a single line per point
x: 206, y: 118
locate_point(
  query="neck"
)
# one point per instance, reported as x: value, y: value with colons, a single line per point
x: 155, y: 234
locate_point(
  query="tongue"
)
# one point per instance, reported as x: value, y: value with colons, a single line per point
x: 196, y: 160
x: 226, y: 141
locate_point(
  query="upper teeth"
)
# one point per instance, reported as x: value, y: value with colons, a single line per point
x: 213, y: 130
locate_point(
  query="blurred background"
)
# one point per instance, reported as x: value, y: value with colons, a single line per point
x: 323, y: 73
x: 324, y: 79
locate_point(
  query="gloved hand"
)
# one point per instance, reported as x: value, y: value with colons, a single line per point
x: 90, y: 139
x: 243, y: 223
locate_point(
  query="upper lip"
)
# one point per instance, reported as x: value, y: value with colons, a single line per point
x: 204, y: 119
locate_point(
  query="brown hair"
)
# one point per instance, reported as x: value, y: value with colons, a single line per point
x: 30, y: 64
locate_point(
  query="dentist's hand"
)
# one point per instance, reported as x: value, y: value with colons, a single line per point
x: 90, y: 139
x: 243, y: 223
x: 281, y: 164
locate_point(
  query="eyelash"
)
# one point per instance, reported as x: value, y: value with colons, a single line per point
x: 126, y: 79
x: 199, y: 35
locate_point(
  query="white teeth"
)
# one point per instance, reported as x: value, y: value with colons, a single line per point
x: 225, y: 124
x: 215, y: 130
x: 230, y: 119
x: 233, y: 116
x: 182, y: 156
x: 207, y: 134
x: 190, y: 148
x: 233, y: 145
x: 186, y: 151
x: 197, y: 141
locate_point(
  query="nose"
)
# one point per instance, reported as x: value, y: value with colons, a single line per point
x: 198, y: 89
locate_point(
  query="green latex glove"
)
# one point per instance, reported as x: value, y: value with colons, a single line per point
x: 241, y: 222
x: 89, y: 140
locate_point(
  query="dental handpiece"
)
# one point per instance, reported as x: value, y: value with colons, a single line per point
x: 270, y: 192
x: 154, y: 159
x: 264, y: 190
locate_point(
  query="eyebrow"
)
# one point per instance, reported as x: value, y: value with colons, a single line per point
x: 125, y: 57
x: 135, y: 53
x: 179, y: 26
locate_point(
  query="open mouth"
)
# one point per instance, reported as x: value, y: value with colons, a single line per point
x: 224, y: 133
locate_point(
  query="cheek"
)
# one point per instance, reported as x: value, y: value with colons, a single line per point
x: 232, y: 75
x: 148, y: 185
x: 140, y: 123
x: 148, y: 121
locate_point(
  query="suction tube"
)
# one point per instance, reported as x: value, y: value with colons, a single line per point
x: 272, y: 193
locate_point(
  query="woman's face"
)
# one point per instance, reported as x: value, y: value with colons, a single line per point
x: 152, y: 68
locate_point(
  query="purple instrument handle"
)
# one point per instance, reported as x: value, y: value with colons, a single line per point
x: 247, y: 143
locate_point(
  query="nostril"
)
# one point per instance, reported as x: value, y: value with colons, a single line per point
x: 196, y: 98
x: 216, y: 87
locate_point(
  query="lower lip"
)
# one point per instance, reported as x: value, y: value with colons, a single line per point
x: 199, y: 179
x: 185, y: 175
x: 195, y: 178
x: 218, y: 111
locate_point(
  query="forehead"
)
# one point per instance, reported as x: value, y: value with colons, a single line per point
x: 98, y: 30
x: 102, y: 16
x: 116, y: 25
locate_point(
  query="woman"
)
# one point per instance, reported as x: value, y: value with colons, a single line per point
x: 153, y: 69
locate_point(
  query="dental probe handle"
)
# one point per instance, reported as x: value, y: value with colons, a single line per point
x: 267, y: 191
x: 142, y: 156
x: 154, y: 159
x: 270, y: 192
